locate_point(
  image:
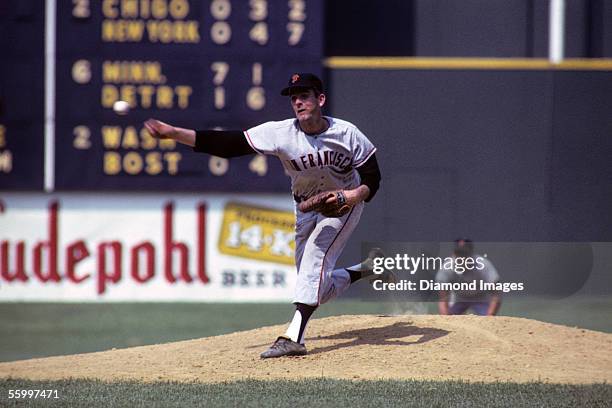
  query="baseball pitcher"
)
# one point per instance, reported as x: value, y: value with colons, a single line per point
x: 333, y: 171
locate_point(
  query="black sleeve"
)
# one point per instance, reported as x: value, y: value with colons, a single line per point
x: 370, y: 176
x: 222, y: 143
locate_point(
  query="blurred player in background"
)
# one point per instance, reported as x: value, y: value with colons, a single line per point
x: 483, y: 303
x: 321, y: 154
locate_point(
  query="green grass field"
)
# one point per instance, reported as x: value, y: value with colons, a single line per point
x: 36, y: 330
x: 31, y: 330
x: 318, y: 392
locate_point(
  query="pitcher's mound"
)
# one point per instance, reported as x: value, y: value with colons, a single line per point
x: 466, y: 348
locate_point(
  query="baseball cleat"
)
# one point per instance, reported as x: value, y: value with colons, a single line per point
x: 366, y: 267
x: 284, y: 347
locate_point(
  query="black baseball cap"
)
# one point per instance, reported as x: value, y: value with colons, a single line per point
x: 303, y: 81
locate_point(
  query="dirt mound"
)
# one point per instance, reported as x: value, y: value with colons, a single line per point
x: 358, y: 347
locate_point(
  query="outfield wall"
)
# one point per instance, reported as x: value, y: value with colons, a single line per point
x: 494, y: 155
x: 465, y: 28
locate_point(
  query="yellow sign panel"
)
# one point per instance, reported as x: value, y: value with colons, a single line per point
x: 258, y: 233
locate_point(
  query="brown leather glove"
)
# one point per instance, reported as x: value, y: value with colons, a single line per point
x: 328, y: 203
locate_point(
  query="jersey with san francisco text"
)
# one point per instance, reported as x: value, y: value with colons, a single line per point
x: 315, y: 163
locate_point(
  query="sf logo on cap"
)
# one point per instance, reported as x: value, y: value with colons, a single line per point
x: 295, y: 78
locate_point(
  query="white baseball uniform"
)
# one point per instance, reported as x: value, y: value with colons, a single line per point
x: 316, y: 163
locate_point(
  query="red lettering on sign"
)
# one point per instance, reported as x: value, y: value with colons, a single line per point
x: 148, y: 250
x: 50, y: 246
x: 109, y: 256
x: 75, y: 253
x: 170, y: 247
x: 201, y: 242
x: 19, y: 273
x: 103, y: 274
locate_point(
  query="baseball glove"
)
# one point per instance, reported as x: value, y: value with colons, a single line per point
x: 328, y: 203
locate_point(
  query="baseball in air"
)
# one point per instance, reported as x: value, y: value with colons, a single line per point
x: 121, y: 107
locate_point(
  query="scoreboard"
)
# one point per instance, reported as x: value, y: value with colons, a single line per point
x: 22, y: 114
x: 195, y: 64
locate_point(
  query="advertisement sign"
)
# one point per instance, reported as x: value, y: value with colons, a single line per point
x: 152, y: 247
